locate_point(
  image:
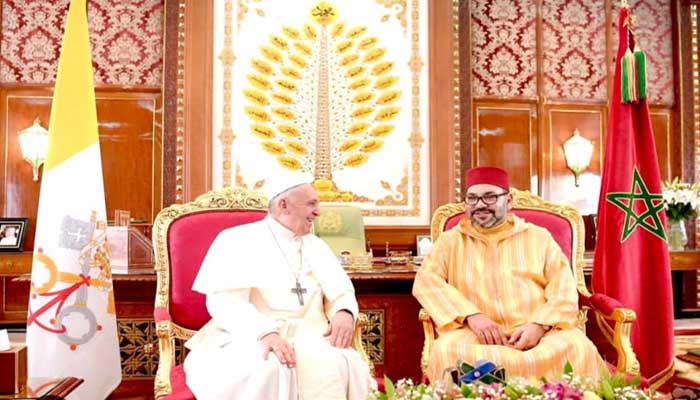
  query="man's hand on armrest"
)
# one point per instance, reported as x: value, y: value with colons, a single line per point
x: 340, y: 329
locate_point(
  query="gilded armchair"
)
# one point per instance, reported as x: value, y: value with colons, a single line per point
x: 182, y: 234
x: 609, y: 329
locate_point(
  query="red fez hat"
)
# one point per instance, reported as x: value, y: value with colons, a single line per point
x: 489, y: 175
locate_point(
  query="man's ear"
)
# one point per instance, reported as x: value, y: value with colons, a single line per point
x: 282, y: 203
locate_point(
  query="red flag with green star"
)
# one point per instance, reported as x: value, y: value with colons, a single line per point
x: 631, y: 256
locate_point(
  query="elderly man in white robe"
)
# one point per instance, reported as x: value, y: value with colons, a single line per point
x: 283, y: 312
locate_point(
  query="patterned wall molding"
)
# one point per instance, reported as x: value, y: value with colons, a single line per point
x: 503, y: 38
x: 456, y: 85
x: 126, y: 39
x: 653, y: 29
x: 504, y: 51
x: 574, y: 50
x: 180, y: 105
x: 695, y: 90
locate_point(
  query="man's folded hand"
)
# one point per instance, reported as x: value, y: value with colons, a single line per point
x: 487, y: 331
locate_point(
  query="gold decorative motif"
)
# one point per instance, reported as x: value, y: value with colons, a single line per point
x: 180, y: 105
x: 456, y: 99
x: 373, y: 335
x: 138, y: 348
x: 396, y: 9
x: 227, y: 57
x: 244, y: 6
x: 297, y: 62
x: 695, y: 89
x: 618, y: 336
x: 333, y: 142
x: 330, y: 222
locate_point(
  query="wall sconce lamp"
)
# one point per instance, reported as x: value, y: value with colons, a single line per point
x: 33, y: 142
x: 578, y: 151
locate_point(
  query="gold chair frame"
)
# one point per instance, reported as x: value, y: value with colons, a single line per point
x: 623, y: 318
x: 230, y: 198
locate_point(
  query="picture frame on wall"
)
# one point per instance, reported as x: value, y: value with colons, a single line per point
x: 12, y: 233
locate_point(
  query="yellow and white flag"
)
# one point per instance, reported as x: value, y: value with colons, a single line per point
x: 71, y: 326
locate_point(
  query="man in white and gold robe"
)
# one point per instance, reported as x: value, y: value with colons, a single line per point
x: 283, y: 312
x: 501, y: 289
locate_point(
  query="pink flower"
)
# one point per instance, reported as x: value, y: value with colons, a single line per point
x: 561, y: 391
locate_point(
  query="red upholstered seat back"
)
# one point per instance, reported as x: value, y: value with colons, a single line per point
x: 558, y: 226
x: 189, y: 238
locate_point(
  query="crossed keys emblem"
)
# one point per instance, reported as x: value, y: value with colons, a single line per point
x: 84, y: 240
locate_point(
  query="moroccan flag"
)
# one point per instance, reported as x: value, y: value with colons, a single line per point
x: 631, y: 255
x: 71, y: 325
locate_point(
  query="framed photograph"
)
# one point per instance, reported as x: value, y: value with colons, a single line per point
x: 12, y: 232
x: 423, y: 245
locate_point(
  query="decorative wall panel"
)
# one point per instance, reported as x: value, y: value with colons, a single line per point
x: 562, y: 121
x: 332, y: 92
x: 503, y: 38
x: 506, y: 137
x: 373, y: 336
x: 574, y: 50
x: 661, y: 122
x: 138, y: 347
x: 652, y: 28
x: 128, y: 124
x: 126, y: 38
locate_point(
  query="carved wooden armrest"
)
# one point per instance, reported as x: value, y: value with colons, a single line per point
x: 428, y: 339
x: 166, y: 351
x: 362, y: 321
x: 606, y: 310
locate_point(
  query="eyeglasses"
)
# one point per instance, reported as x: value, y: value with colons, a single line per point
x: 488, y: 198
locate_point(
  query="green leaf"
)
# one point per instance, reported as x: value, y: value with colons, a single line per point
x: 636, y: 381
x: 608, y: 392
x: 466, y: 392
x: 533, y: 390
x: 568, y: 369
x: 389, y: 388
x: 511, y: 393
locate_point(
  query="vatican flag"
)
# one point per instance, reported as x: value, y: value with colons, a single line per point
x: 71, y: 325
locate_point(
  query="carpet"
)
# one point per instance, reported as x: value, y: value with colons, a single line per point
x: 684, y: 368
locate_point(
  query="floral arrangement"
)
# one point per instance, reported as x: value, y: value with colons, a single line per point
x: 682, y: 200
x: 569, y: 386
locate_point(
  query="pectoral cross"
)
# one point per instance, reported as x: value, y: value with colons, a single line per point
x: 299, y: 291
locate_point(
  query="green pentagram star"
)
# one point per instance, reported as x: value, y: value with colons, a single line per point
x: 653, y: 202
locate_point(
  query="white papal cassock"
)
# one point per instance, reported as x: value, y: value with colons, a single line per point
x: 248, y: 276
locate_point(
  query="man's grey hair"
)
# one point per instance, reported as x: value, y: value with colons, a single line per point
x: 273, y: 204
